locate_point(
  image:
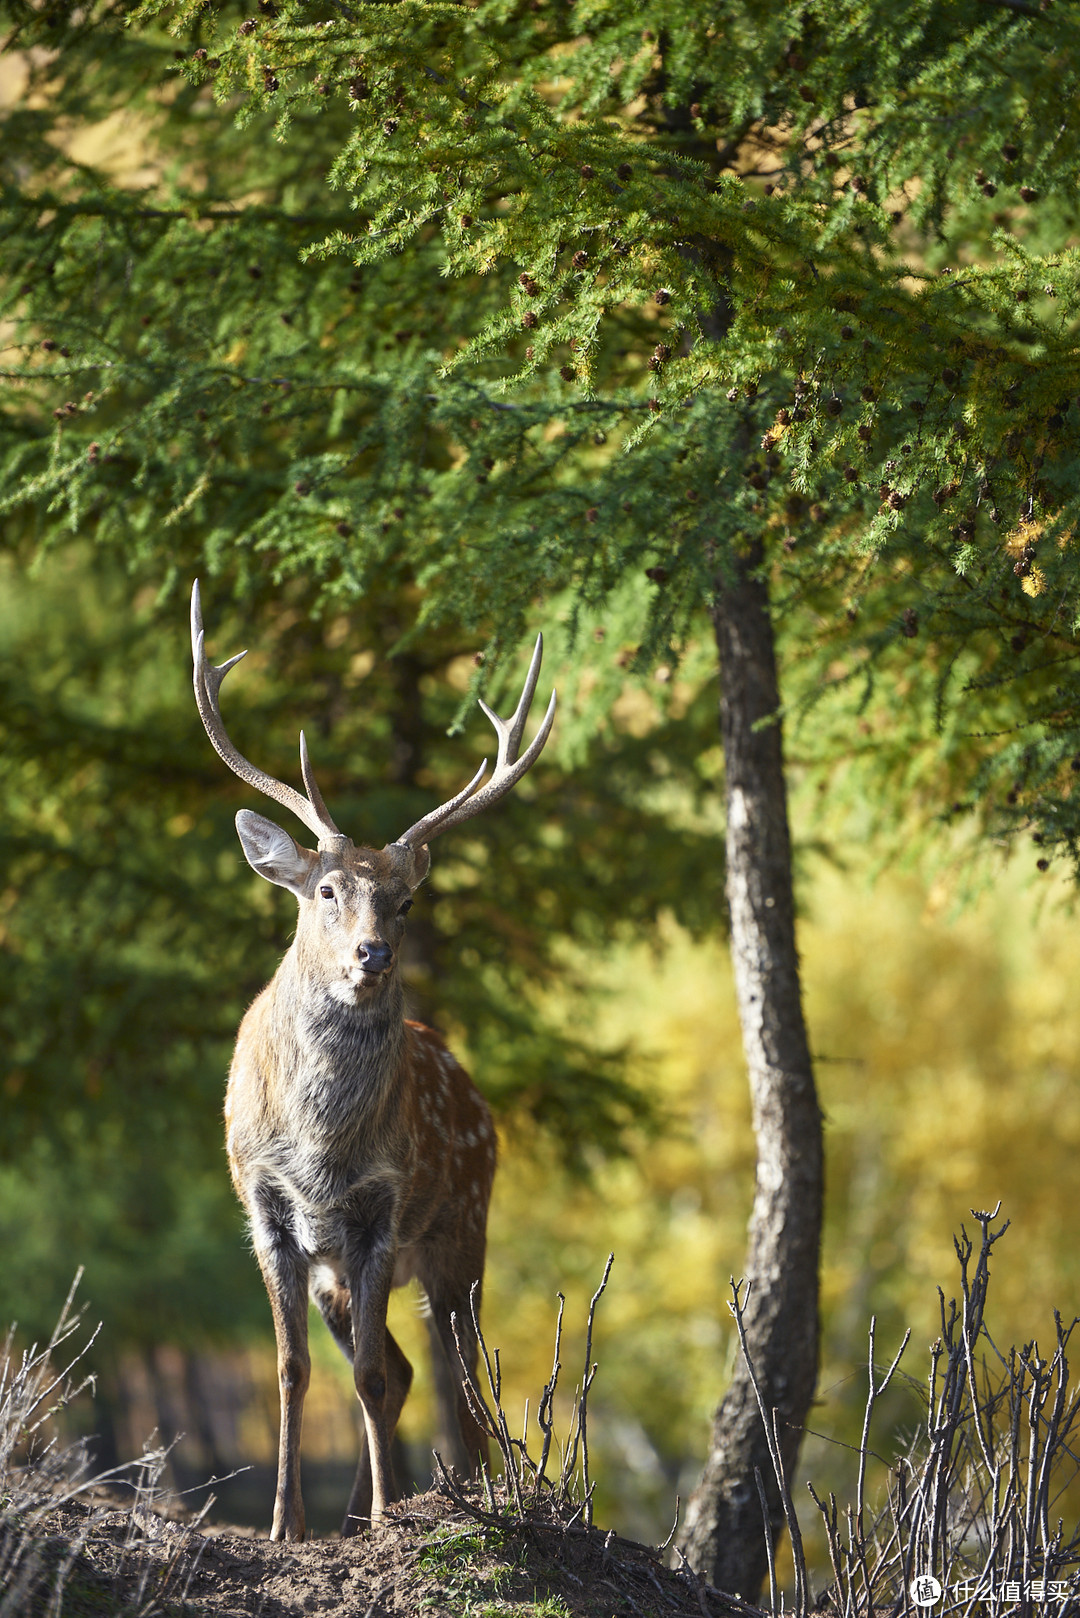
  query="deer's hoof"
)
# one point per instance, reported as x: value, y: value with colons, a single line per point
x: 293, y: 1530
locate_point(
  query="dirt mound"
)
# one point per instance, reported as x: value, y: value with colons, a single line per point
x: 432, y: 1557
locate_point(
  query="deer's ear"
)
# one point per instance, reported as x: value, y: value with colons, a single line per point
x: 272, y: 853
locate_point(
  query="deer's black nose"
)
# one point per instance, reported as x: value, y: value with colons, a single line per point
x: 374, y: 955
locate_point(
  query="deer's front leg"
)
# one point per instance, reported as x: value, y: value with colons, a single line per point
x: 371, y: 1257
x: 285, y: 1270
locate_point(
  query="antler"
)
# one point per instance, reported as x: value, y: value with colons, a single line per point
x: 311, y: 810
x: 508, y: 767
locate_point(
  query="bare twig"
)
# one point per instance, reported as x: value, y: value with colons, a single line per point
x: 663, y: 1546
x: 770, y: 1549
x: 545, y: 1412
x: 581, y: 1429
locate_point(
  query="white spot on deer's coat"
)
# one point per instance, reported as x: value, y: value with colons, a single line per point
x: 447, y: 1065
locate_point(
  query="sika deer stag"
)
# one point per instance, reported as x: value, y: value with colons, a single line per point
x: 359, y: 1147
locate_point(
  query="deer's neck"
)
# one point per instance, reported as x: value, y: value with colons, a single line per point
x: 346, y: 1058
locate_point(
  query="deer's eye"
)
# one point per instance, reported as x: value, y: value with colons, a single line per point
x: 327, y: 893
x: 405, y: 908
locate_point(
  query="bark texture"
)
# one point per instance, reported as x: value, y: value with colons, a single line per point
x: 723, y: 1535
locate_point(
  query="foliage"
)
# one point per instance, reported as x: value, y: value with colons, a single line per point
x: 371, y: 295
x: 400, y: 323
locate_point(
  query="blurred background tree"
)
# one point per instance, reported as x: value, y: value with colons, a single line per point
x: 401, y: 332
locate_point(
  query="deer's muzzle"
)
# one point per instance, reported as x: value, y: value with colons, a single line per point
x: 374, y: 956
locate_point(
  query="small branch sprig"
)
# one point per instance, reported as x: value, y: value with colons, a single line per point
x: 528, y: 1485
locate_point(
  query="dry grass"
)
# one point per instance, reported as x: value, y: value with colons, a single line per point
x: 55, y: 1517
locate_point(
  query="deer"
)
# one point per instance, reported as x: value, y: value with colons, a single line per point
x: 359, y: 1147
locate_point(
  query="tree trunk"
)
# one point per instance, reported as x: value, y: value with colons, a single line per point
x: 723, y: 1535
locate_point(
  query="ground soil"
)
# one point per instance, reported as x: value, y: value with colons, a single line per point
x: 433, y: 1557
